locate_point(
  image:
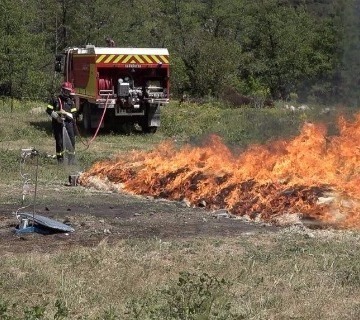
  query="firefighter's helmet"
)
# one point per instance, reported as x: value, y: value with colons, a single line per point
x: 67, y: 89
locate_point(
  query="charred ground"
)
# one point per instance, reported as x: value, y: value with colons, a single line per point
x: 114, y: 217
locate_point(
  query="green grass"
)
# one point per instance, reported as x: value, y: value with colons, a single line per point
x: 241, y: 127
x: 290, y: 275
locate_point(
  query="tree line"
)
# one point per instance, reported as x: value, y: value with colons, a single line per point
x: 268, y: 48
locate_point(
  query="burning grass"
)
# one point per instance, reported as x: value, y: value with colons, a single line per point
x: 315, y: 175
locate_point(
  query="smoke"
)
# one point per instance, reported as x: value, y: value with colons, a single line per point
x: 351, y: 53
x: 68, y: 147
x: 69, y: 153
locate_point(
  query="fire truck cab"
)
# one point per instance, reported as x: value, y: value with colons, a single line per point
x: 131, y: 84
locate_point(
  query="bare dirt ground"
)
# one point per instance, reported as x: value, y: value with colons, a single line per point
x: 113, y: 217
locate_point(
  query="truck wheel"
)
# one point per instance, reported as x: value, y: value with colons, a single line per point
x: 87, y: 117
x: 147, y: 129
x: 153, y: 114
x: 127, y: 128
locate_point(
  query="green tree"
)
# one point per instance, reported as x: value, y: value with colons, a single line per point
x: 93, y: 21
x: 309, y: 47
x: 23, y: 55
x: 279, y: 46
x: 203, y: 38
x: 324, y: 85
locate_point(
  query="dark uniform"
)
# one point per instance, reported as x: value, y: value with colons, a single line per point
x: 62, y: 111
x: 110, y: 42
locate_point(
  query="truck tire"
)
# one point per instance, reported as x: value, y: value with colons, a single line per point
x: 87, y: 117
x: 127, y: 128
x: 148, y: 129
x: 150, y: 113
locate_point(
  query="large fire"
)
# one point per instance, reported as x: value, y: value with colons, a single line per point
x: 315, y: 176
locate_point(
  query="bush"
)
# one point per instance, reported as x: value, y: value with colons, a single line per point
x: 192, y: 296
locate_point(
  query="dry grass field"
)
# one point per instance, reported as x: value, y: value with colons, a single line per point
x: 135, y: 257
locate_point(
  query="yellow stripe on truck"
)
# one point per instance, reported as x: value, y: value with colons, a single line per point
x: 156, y: 59
x: 164, y: 59
x: 100, y: 58
x: 132, y: 58
x: 109, y: 58
x: 139, y: 58
x: 127, y: 59
x: 118, y: 58
x: 148, y: 60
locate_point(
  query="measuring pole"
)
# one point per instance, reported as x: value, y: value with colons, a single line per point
x: 36, y: 183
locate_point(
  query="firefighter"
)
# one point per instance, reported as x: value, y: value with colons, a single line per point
x: 62, y: 111
x: 110, y: 42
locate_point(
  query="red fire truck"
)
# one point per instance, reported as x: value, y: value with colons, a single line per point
x: 117, y: 88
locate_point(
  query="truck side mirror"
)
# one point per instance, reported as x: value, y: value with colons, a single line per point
x: 58, y: 63
x: 58, y: 66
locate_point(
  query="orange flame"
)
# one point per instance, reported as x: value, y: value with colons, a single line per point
x: 265, y: 181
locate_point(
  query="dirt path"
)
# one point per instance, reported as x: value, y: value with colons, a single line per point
x: 119, y: 216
